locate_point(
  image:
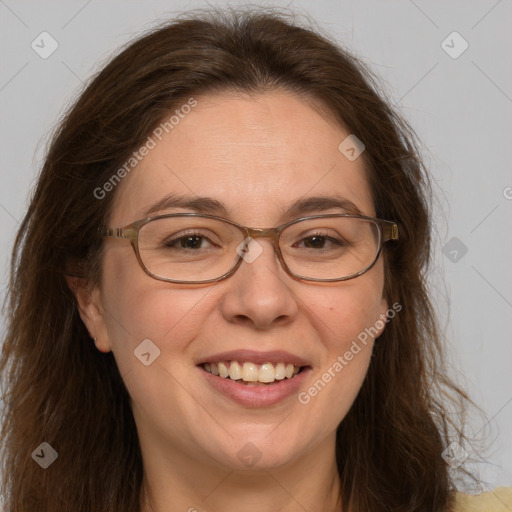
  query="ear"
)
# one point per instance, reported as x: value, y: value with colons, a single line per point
x: 91, y: 311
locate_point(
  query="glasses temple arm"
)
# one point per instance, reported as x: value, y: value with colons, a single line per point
x: 390, y: 232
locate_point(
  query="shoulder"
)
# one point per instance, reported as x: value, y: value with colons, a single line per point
x: 498, y: 500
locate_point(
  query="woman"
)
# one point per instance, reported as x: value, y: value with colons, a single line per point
x: 217, y: 297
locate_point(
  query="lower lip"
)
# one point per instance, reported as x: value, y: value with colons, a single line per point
x: 257, y: 396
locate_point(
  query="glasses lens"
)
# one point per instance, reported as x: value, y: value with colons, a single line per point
x: 195, y: 248
x: 189, y: 248
x: 330, y: 247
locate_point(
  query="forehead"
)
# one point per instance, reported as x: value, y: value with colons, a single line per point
x: 256, y: 155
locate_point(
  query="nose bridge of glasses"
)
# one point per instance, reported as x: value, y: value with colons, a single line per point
x: 263, y: 232
x: 271, y: 233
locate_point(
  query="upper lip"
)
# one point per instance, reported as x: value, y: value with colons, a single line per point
x: 256, y: 357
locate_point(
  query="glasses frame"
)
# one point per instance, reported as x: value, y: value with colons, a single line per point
x: 388, y: 230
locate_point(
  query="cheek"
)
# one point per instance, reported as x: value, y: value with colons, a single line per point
x: 151, y: 318
x: 344, y: 312
x: 347, y: 331
x: 347, y: 318
x: 138, y: 308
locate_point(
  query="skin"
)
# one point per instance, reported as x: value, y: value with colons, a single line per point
x: 256, y: 155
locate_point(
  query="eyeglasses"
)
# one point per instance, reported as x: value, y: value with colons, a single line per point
x: 194, y: 248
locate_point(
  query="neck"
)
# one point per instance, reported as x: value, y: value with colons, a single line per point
x: 309, y: 483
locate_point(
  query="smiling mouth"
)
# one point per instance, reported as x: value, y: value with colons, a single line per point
x: 249, y: 373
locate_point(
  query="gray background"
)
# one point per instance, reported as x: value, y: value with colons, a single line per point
x: 460, y: 107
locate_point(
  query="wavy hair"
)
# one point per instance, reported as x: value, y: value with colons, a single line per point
x: 58, y: 388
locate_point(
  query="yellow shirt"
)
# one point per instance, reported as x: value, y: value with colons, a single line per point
x: 498, y: 500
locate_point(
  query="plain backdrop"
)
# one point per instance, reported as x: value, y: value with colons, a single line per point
x: 455, y: 90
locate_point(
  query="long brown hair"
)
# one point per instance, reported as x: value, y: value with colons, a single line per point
x: 58, y: 388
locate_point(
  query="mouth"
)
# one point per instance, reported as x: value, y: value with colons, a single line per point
x: 255, y: 379
x: 253, y: 374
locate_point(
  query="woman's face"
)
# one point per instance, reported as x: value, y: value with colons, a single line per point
x: 257, y: 157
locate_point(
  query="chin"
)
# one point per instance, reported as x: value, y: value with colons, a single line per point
x: 258, y: 453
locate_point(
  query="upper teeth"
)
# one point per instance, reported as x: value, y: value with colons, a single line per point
x: 252, y: 372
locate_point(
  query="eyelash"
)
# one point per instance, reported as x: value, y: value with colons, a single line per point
x: 175, y: 241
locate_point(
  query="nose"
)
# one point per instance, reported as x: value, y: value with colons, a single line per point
x: 260, y: 292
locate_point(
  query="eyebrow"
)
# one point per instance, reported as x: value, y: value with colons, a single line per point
x: 197, y: 203
x: 209, y: 205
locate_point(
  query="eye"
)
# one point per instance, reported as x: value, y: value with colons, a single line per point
x: 320, y: 241
x: 190, y: 241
